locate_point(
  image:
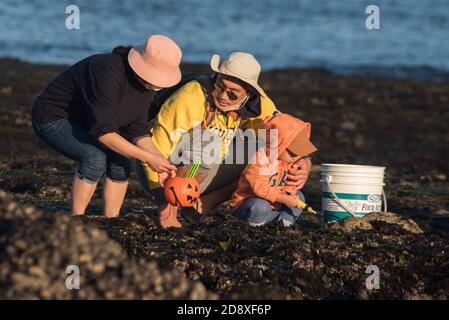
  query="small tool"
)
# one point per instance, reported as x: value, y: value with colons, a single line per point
x: 194, y: 169
x: 305, y: 206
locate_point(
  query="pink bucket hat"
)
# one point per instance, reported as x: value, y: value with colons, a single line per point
x: 157, y: 61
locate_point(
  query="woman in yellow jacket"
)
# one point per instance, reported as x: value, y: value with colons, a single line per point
x: 222, y: 103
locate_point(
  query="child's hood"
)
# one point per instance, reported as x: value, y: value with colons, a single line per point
x: 288, y: 127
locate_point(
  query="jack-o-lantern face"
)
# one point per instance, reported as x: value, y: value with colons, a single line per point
x: 183, y: 192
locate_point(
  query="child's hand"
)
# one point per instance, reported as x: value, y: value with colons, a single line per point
x: 163, y: 176
x: 298, y: 173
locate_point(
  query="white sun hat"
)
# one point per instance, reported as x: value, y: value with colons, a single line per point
x: 240, y: 65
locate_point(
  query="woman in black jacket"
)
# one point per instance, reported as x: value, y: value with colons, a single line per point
x: 96, y: 113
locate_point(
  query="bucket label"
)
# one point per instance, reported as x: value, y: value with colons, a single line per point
x: 357, y: 203
x: 374, y: 197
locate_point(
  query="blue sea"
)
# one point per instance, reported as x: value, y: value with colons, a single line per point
x: 413, y: 35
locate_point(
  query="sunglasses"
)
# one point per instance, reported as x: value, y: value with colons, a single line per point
x: 219, y: 88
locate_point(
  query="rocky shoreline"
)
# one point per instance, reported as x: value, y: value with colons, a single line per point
x: 400, y: 124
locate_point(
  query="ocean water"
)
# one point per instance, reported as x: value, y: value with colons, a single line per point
x: 413, y: 34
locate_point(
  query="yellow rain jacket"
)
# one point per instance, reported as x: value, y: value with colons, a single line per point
x: 185, y: 109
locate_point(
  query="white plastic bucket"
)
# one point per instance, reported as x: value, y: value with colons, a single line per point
x: 351, y: 190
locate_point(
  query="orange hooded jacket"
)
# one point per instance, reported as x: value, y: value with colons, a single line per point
x: 264, y: 177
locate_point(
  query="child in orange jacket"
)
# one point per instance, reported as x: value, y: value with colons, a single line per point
x: 262, y: 194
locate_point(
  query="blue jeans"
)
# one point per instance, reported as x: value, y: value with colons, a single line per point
x: 73, y: 141
x: 258, y: 211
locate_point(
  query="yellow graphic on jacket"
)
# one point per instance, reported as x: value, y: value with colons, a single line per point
x: 184, y: 110
x: 225, y: 127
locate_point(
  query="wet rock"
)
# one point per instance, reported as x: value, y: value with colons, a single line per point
x: 441, y: 212
x: 359, y: 141
x: 440, y: 223
x: 348, y: 125
x: 26, y: 187
x: 35, y: 251
x: 369, y: 221
x: 51, y: 191
x: 6, y: 90
x: 259, y: 292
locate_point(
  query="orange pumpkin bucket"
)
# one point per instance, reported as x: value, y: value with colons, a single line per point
x: 182, y: 192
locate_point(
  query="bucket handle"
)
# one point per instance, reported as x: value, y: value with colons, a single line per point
x: 328, y: 179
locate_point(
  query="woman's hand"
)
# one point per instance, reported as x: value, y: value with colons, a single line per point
x: 163, y: 176
x: 159, y: 164
x: 156, y: 161
x: 298, y: 173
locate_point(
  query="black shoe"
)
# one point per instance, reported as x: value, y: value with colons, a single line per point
x: 190, y: 214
